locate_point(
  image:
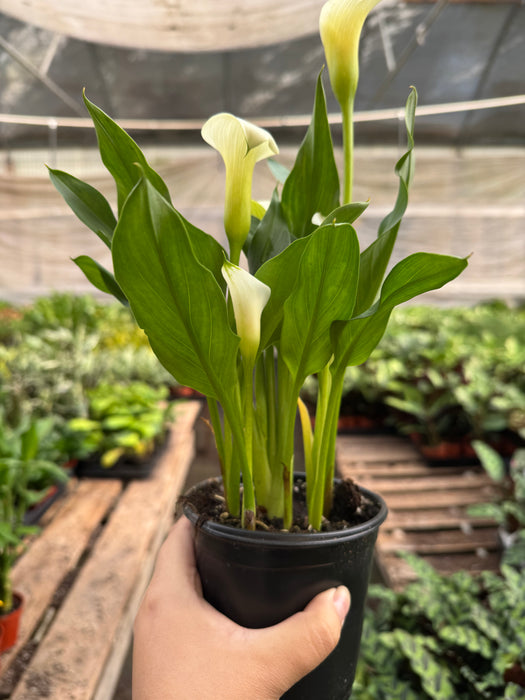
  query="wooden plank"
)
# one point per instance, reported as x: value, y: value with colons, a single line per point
x: 56, y: 553
x: 418, y: 500
x: 397, y: 573
x: 94, y: 625
x: 467, y: 2
x: 434, y: 518
x: 358, y: 471
x: 376, y: 448
x: 401, y: 485
x: 441, y: 541
x: 182, y: 459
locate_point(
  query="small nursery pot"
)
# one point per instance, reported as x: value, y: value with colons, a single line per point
x: 10, y: 622
x: 260, y: 578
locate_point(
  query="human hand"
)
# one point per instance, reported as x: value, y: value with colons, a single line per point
x: 184, y: 649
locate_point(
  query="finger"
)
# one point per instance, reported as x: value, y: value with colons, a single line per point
x: 175, y: 566
x: 307, y: 638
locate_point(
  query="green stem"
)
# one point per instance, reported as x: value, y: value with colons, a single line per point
x: 6, y: 590
x: 231, y: 478
x: 248, y: 502
x: 347, y: 111
x: 331, y: 438
x: 269, y: 375
x: 323, y: 395
x: 235, y: 252
x: 325, y: 438
x: 288, y: 393
x: 216, y: 425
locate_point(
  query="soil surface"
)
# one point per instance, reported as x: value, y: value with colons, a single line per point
x: 350, y: 507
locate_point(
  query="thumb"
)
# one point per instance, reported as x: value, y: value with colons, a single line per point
x: 305, y: 639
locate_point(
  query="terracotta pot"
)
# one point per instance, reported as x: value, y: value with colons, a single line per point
x: 10, y: 622
x: 260, y: 578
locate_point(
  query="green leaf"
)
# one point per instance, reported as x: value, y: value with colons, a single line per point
x: 491, y: 460
x: 324, y: 292
x: 468, y: 638
x: 120, y: 154
x: 208, y: 251
x: 354, y: 340
x: 280, y: 274
x: 513, y: 691
x: 89, y: 205
x: 435, y: 677
x: 313, y: 185
x: 111, y: 457
x: 278, y: 170
x: 175, y: 299
x: 346, y: 214
x: 270, y: 237
x: 30, y: 441
x: 99, y: 277
x: 374, y: 260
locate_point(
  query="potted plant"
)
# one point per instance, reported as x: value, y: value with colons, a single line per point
x: 21, y: 469
x: 126, y: 423
x: 311, y: 303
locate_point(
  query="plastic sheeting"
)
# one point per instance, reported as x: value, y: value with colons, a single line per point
x: 172, y: 25
x: 462, y: 202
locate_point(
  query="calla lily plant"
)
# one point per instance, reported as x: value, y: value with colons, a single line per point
x: 311, y: 301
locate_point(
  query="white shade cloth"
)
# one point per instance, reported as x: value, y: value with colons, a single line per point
x: 172, y: 25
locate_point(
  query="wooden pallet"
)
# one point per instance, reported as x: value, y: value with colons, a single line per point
x: 428, y: 507
x: 84, y: 576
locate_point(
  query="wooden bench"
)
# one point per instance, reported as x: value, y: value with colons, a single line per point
x: 428, y: 507
x: 83, y: 577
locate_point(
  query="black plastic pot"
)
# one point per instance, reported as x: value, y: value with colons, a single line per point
x: 258, y: 579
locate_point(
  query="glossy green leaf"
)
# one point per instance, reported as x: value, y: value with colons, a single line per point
x: 375, y: 259
x: 346, y: 214
x: 324, y: 293
x: 280, y: 274
x: 175, y: 299
x: 269, y: 238
x: 207, y: 249
x: 120, y: 154
x: 313, y: 184
x: 89, y: 205
x: 355, y: 339
x: 99, y: 277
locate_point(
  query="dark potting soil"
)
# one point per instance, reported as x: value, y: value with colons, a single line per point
x: 350, y: 507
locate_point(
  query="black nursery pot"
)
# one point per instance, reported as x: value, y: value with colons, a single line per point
x: 259, y: 578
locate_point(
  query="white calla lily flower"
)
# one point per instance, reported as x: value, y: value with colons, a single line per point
x: 249, y: 297
x: 340, y: 25
x: 241, y: 145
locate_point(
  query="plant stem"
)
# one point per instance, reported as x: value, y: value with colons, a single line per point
x: 288, y: 393
x: 347, y: 111
x: 248, y: 501
x: 323, y: 394
x: 269, y: 375
x: 325, y: 439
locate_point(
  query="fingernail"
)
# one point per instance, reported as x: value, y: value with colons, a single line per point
x: 342, y: 602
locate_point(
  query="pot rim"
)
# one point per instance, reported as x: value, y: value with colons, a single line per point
x: 289, y: 539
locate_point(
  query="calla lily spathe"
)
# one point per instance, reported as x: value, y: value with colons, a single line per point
x: 241, y: 145
x: 340, y: 25
x: 249, y: 297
